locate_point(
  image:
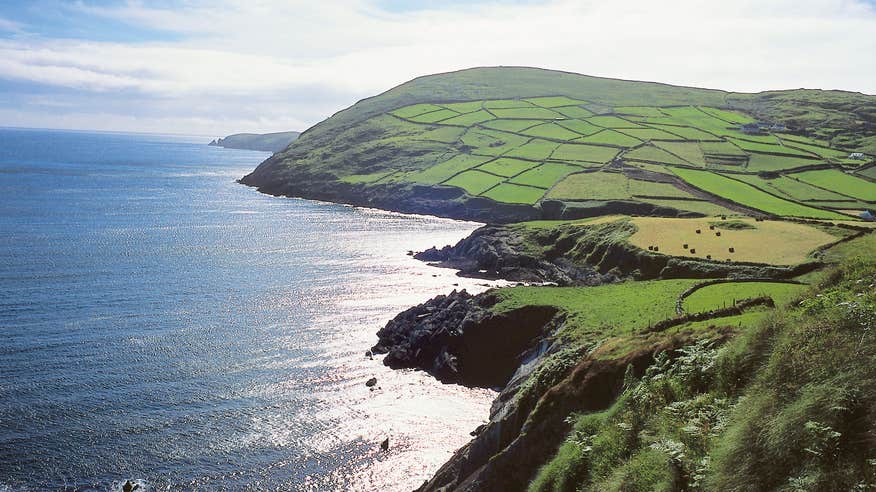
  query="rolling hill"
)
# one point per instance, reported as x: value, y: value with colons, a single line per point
x: 509, y: 144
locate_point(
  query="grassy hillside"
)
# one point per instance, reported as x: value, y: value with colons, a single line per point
x: 524, y: 137
x: 789, y: 405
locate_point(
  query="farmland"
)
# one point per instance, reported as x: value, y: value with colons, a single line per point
x: 619, y: 308
x: 769, y: 241
x: 750, y: 196
x: 541, y: 140
x: 722, y: 295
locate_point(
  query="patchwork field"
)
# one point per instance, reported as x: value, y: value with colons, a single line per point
x: 723, y: 295
x: 748, y: 195
x: 525, y: 150
x: 769, y: 241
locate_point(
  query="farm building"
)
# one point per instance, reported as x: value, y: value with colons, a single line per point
x: 778, y: 127
x: 867, y: 215
x: 857, y: 156
x: 750, y: 128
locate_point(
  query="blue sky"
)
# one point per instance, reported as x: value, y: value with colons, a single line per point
x: 218, y: 67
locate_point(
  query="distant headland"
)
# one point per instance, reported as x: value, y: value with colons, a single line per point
x: 267, y: 142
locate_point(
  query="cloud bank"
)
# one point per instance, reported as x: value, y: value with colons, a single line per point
x: 228, y: 65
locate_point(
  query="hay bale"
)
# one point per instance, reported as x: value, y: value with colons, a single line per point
x: 693, y: 251
x: 718, y: 233
x: 732, y: 250
x: 699, y: 231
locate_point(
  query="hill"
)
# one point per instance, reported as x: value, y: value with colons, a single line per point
x: 267, y: 142
x: 509, y: 144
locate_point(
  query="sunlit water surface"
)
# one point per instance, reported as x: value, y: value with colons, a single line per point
x: 160, y: 322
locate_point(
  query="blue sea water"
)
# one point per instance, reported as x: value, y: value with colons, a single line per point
x: 161, y: 323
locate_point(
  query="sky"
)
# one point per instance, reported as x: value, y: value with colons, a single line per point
x: 226, y: 66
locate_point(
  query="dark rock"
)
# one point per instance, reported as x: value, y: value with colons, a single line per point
x: 458, y: 339
x: 371, y: 382
x: 384, y: 445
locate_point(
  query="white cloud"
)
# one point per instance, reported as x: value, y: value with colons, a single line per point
x: 266, y: 51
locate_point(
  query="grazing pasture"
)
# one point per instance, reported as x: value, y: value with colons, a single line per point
x: 770, y: 241
x: 749, y: 196
x: 718, y: 296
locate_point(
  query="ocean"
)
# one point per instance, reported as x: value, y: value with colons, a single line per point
x: 163, y: 324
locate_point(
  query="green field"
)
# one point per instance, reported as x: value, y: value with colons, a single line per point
x: 512, y: 125
x: 588, y: 153
x: 790, y: 187
x: 532, y: 113
x: 618, y: 308
x: 468, y: 119
x: 651, y: 153
x: 545, y: 175
x: 727, y: 294
x: 750, y: 196
x: 689, y: 151
x: 536, y: 149
x: 474, y: 182
x: 610, y: 137
x: 505, y: 166
x: 610, y: 186
x: 448, y: 168
x: 846, y: 184
x: 414, y: 139
x: 512, y: 193
x: 552, y: 131
x: 763, y: 162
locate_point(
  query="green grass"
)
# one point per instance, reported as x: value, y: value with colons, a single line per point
x: 606, y: 309
x: 763, y: 162
x: 366, y: 178
x: 474, y: 182
x: 538, y: 150
x: 588, y: 153
x: 552, y: 131
x: 468, y: 119
x: 835, y: 154
x: 689, y: 151
x: 512, y: 125
x: 686, y: 132
x: 649, y: 134
x: 610, y: 186
x: 645, y: 111
x: 444, y: 134
x: 434, y: 116
x: 545, y: 175
x: 750, y: 196
x: 701, y: 120
x: 610, y: 137
x: 512, y: 193
x: 725, y: 295
x: 448, y: 168
x: 507, y: 103
x: 507, y: 167
x: 613, y: 122
x: 464, y: 107
x: 580, y: 126
x: 653, y: 154
x: 767, y: 148
x: 837, y: 180
x: 414, y: 110
x: 791, y: 187
x: 574, y: 112
x: 526, y: 113
x: 554, y: 101
x: 491, y: 142
x: 720, y: 148
x: 870, y: 172
x: 731, y: 116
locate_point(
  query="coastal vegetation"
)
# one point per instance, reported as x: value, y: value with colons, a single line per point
x: 695, y: 273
